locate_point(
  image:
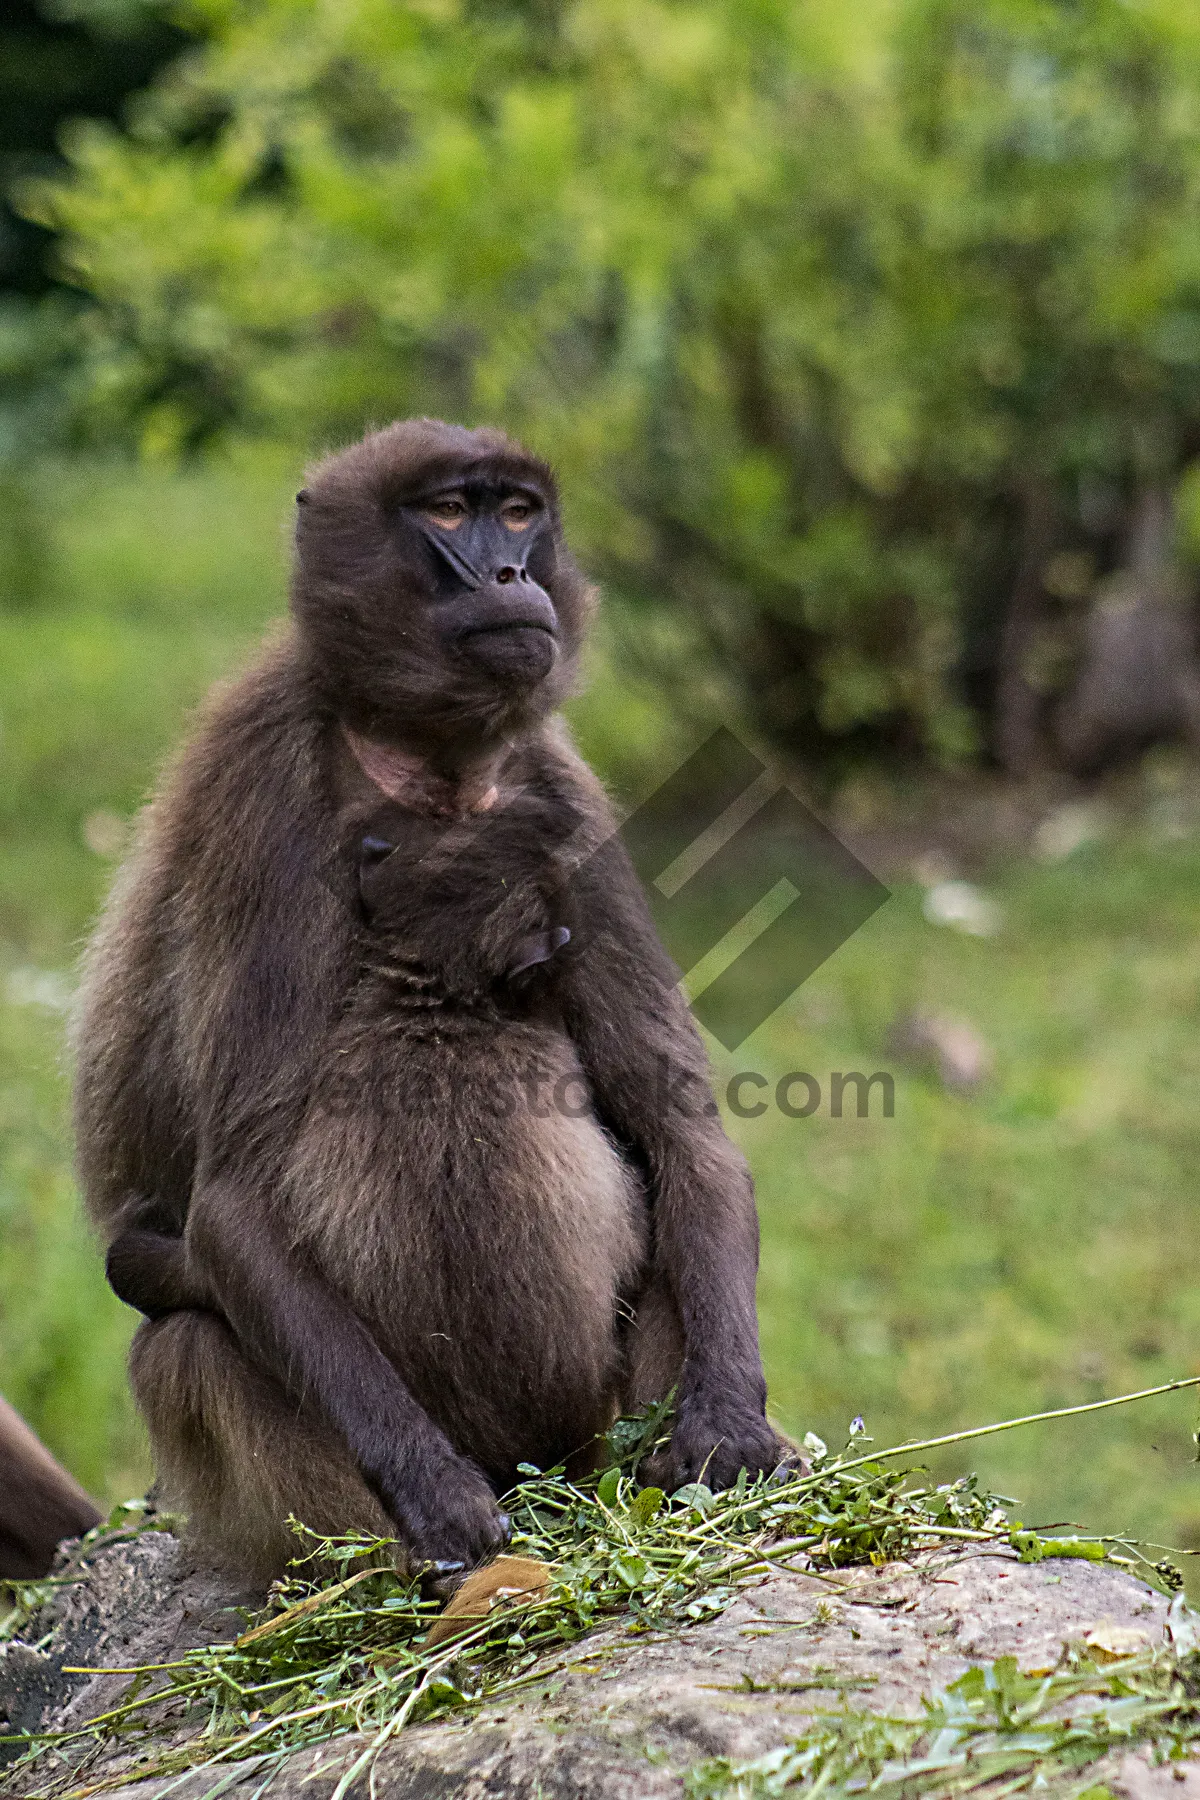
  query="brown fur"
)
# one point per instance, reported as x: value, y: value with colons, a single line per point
x: 321, y: 1034
x: 40, y: 1504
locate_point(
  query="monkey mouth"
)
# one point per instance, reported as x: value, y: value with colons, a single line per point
x: 483, y: 631
x: 510, y: 631
x: 514, y: 606
x: 519, y: 652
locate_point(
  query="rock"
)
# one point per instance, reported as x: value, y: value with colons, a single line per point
x: 1070, y: 828
x: 135, y: 1600
x: 625, y: 1713
x: 1135, y: 1777
x: 1139, y: 678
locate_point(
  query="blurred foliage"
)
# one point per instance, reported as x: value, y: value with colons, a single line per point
x: 829, y: 315
x: 155, y: 585
x: 57, y: 62
x: 83, y: 56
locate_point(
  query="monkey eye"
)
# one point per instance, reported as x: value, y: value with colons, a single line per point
x: 448, y: 511
x: 517, y: 513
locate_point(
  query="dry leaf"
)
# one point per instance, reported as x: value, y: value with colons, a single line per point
x: 302, y: 1609
x: 508, y: 1578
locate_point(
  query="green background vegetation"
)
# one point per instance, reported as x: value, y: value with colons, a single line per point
x: 865, y: 337
x: 867, y: 340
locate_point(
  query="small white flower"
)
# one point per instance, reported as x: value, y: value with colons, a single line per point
x: 815, y: 1447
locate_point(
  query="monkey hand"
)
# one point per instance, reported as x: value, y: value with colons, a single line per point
x: 713, y: 1443
x: 447, y: 1515
x: 148, y: 1270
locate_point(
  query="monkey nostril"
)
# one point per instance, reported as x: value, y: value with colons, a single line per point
x: 506, y: 575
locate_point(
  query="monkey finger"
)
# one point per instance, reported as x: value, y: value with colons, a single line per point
x: 788, y: 1469
x: 440, y: 1580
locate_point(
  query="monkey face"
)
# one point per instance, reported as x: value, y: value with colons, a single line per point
x: 491, y: 544
x: 436, y: 599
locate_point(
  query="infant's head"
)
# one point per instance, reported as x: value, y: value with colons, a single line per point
x: 475, y: 902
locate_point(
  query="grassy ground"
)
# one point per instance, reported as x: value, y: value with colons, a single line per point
x: 966, y: 1259
x: 1034, y: 1247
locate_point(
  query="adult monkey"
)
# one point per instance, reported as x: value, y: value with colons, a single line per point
x: 362, y: 1314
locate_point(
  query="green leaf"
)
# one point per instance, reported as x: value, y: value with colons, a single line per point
x: 607, y: 1486
x: 645, y: 1505
x: 694, y: 1494
x: 630, y: 1568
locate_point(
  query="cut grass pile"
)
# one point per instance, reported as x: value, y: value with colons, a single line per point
x: 353, y: 1651
x: 994, y: 1730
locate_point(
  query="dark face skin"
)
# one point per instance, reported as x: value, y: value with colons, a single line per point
x: 490, y: 547
x: 440, y: 610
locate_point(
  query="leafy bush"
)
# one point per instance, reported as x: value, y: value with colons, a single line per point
x: 858, y: 332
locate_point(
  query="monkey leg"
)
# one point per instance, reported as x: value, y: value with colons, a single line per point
x: 653, y: 1365
x: 654, y: 1347
x: 235, y: 1454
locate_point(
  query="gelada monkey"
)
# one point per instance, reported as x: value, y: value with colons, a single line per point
x: 370, y: 1098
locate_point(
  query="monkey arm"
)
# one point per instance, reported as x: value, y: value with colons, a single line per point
x: 299, y: 1330
x: 649, y: 1075
x: 133, y: 1116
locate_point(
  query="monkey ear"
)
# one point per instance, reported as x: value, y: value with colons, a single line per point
x: 302, y: 496
x: 537, y: 948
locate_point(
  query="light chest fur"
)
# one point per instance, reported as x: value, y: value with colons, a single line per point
x: 452, y: 1180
